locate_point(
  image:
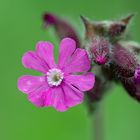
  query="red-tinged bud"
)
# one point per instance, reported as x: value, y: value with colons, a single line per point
x: 49, y: 19
x: 99, y: 50
x: 63, y: 28
x: 131, y: 87
x: 101, y: 60
x: 124, y: 61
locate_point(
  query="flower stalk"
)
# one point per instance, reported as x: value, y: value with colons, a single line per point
x: 97, y: 123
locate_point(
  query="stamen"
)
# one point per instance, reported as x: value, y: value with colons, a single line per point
x: 54, y: 77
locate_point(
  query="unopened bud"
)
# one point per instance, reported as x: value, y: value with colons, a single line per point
x: 99, y: 50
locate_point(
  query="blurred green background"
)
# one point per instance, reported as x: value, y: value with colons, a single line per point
x: 20, y: 29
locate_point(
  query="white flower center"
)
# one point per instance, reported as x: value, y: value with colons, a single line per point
x: 55, y: 77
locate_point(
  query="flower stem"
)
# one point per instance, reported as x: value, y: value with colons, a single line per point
x: 97, y: 123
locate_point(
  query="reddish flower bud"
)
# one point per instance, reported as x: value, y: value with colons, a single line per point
x: 62, y: 28
x: 131, y: 87
x: 99, y: 50
x: 49, y: 19
x: 127, y: 69
x: 124, y: 61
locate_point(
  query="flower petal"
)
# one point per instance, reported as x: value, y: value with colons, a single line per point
x: 32, y: 61
x: 72, y: 95
x: 83, y: 82
x: 79, y: 62
x: 63, y: 97
x: 45, y: 51
x: 28, y: 83
x: 56, y: 99
x: 67, y: 47
x: 38, y: 97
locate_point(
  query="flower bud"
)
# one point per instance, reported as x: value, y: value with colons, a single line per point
x: 124, y: 61
x: 99, y: 50
x: 131, y: 87
x: 63, y: 28
x: 49, y: 19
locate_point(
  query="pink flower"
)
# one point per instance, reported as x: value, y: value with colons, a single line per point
x: 59, y: 86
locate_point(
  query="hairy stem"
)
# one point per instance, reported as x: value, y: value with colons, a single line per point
x: 97, y: 124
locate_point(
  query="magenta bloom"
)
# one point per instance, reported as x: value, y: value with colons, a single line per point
x: 59, y: 86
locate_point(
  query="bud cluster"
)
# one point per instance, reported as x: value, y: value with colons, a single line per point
x: 114, y: 58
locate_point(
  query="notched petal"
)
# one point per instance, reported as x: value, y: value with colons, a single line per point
x: 67, y: 48
x: 79, y: 62
x: 83, y: 82
x: 32, y: 61
x: 45, y: 51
